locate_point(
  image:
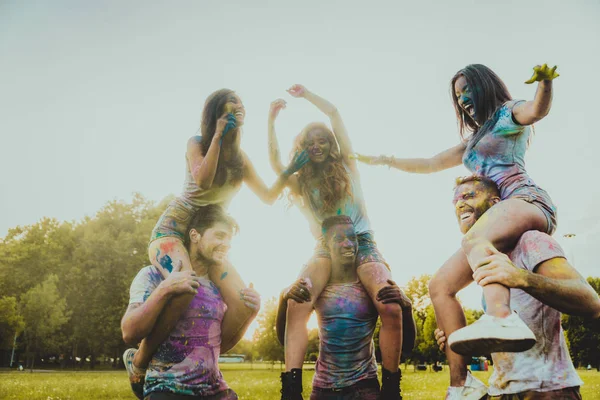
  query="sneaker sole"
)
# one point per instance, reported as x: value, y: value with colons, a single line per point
x: 491, y: 345
x: 478, y: 394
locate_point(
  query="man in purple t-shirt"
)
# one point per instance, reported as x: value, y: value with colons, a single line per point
x: 542, y: 284
x: 346, y: 368
x: 185, y: 366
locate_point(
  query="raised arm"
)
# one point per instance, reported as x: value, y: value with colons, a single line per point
x: 204, y: 167
x: 286, y: 178
x: 444, y: 160
x: 274, y: 153
x: 337, y: 124
x: 530, y: 112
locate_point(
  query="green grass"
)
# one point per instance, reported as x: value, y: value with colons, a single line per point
x: 260, y: 383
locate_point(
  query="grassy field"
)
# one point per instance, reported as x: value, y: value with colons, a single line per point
x: 260, y: 383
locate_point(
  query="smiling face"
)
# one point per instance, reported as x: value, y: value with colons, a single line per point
x: 343, y: 244
x: 318, y: 145
x: 464, y: 96
x: 471, y: 200
x: 213, y: 245
x: 235, y: 106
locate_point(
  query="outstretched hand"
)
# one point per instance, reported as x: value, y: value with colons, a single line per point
x: 276, y: 106
x: 297, y: 91
x: 371, y: 160
x: 299, y: 161
x: 543, y: 73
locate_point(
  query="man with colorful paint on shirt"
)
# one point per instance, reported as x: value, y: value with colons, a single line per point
x: 185, y: 366
x: 542, y: 284
x: 346, y: 368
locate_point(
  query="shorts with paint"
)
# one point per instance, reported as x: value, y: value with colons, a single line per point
x: 174, y: 221
x: 499, y: 154
x: 367, y: 250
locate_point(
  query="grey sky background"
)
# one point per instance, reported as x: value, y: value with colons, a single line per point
x: 98, y: 99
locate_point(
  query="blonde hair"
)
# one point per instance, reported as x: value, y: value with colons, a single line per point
x: 333, y: 179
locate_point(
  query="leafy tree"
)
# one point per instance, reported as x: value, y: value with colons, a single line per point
x: 44, y: 313
x: 11, y: 322
x: 267, y: 345
x: 583, y: 335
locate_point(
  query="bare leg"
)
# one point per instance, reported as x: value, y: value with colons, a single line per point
x: 453, y: 276
x: 373, y: 277
x: 501, y: 227
x: 318, y: 271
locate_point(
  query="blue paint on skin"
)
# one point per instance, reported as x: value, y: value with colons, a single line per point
x: 223, y: 275
x: 165, y: 261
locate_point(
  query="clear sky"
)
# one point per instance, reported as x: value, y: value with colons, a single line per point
x: 98, y: 99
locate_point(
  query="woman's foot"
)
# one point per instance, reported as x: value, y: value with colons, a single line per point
x: 492, y: 335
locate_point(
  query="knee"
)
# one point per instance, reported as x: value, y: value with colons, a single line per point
x: 298, y: 311
x: 391, y: 314
x: 468, y: 242
x: 439, y: 289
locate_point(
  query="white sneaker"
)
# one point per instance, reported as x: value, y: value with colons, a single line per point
x: 473, y: 389
x: 492, y: 335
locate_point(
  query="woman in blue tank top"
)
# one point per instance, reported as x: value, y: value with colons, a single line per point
x: 495, y: 134
x: 329, y: 184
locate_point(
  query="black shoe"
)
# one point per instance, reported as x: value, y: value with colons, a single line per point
x: 291, y: 385
x: 390, y: 385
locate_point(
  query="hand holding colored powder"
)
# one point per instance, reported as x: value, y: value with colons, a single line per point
x: 299, y: 160
x: 543, y: 73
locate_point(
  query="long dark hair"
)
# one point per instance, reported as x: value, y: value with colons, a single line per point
x: 213, y: 109
x: 488, y: 93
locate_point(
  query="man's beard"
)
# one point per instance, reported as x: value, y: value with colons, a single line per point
x: 209, y: 262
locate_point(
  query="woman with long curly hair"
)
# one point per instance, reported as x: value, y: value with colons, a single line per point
x: 495, y: 134
x: 216, y: 166
x: 329, y: 184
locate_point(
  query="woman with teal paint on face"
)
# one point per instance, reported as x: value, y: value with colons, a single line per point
x: 215, y: 168
x: 330, y: 185
x: 499, y: 137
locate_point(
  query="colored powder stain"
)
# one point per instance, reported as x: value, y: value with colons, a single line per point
x: 223, y: 275
x: 339, y: 211
x: 165, y: 261
x: 167, y: 247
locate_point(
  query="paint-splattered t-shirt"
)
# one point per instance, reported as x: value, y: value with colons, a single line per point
x: 547, y: 365
x: 347, y: 319
x: 500, y: 153
x: 187, y: 362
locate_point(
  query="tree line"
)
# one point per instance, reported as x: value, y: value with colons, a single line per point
x: 65, y: 285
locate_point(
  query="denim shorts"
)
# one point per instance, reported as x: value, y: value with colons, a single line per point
x: 540, y: 198
x: 174, y: 221
x: 571, y: 393
x: 224, y: 395
x: 367, y: 389
x: 367, y: 250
